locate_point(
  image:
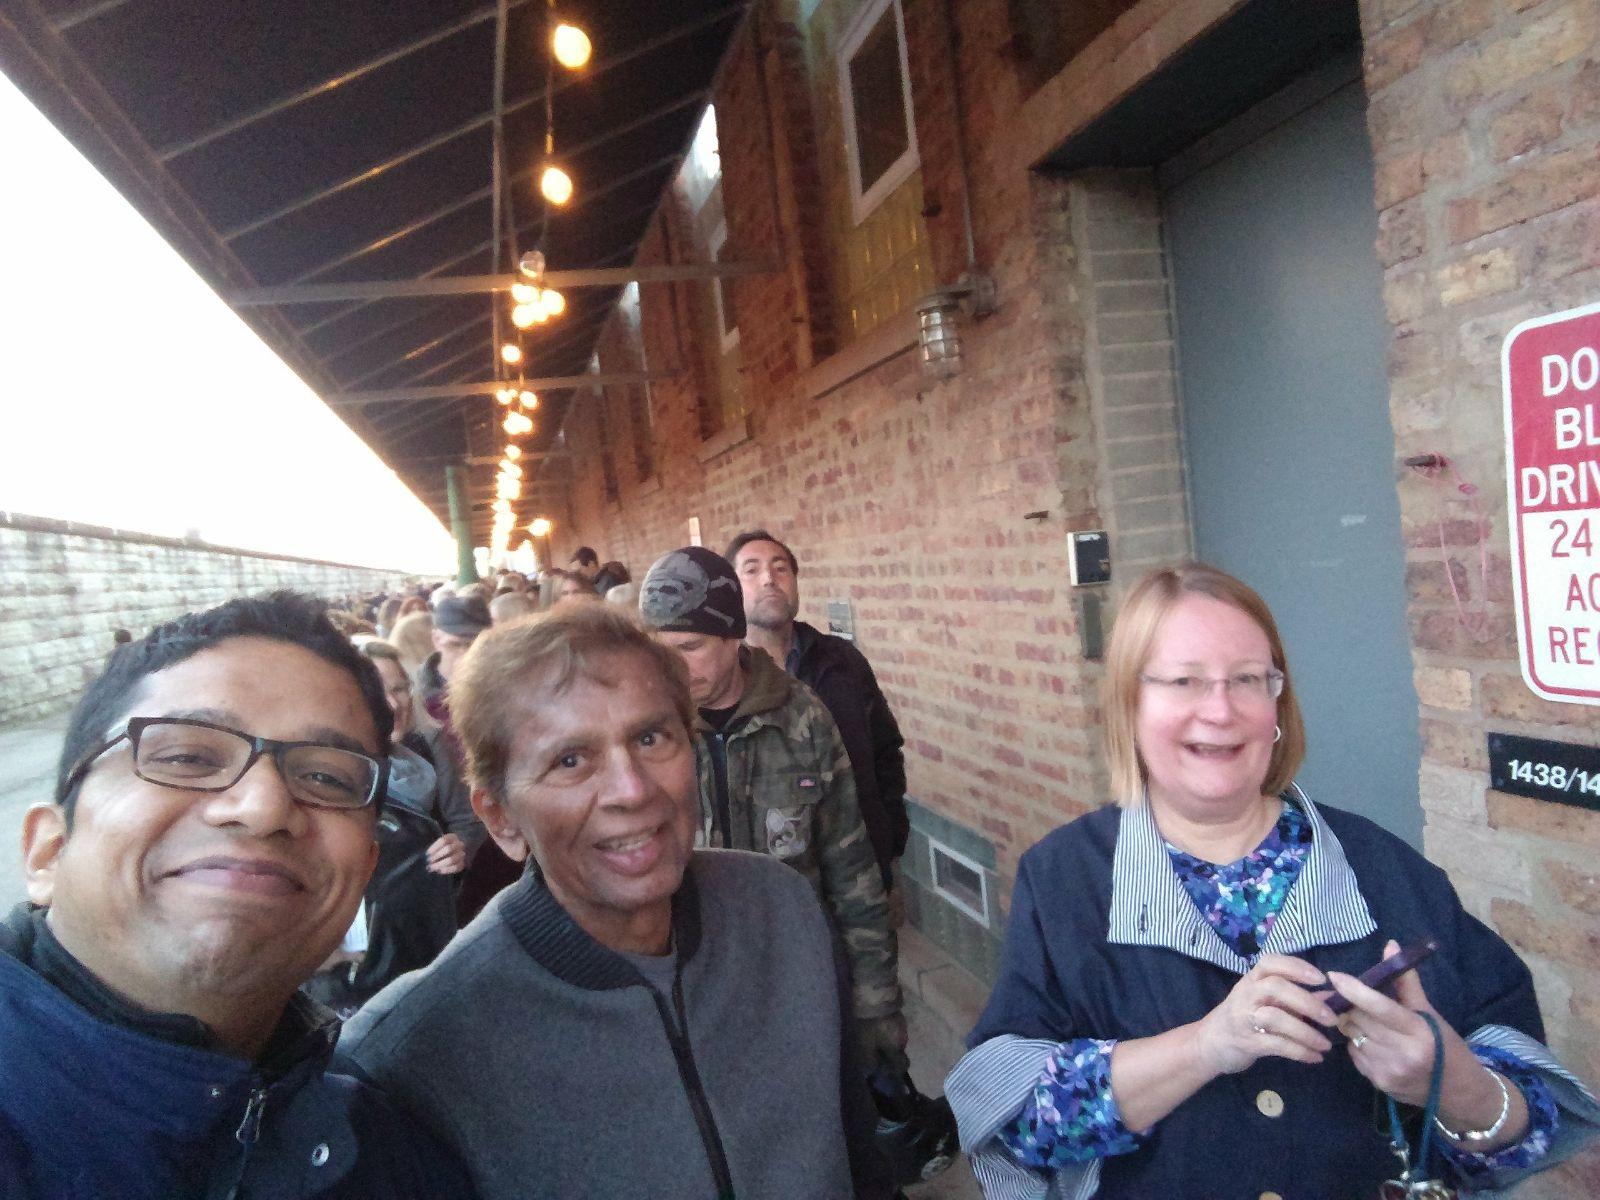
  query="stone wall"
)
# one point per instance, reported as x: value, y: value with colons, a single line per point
x: 64, y: 588
x: 910, y: 498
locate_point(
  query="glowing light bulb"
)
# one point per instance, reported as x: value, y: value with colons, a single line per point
x: 506, y: 395
x: 553, y: 302
x: 511, y: 353
x: 511, y: 469
x: 540, y: 527
x: 501, y: 507
x: 571, y: 46
x: 516, y: 424
x: 525, y: 315
x: 513, y: 452
x: 529, y: 400
x: 555, y: 185
x: 524, y: 293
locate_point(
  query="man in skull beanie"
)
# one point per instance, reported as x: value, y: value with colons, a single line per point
x: 775, y: 778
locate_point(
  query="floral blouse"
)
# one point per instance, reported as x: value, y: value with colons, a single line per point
x: 1072, y: 1116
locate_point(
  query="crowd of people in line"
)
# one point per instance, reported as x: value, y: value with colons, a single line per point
x: 577, y: 887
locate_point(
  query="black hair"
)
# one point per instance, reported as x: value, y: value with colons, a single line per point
x: 759, y: 535
x: 284, y: 616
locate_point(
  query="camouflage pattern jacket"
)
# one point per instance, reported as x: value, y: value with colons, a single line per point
x: 779, y: 772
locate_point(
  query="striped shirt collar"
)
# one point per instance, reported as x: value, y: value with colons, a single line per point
x: 1150, y: 908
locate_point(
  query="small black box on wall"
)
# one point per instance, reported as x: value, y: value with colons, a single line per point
x: 1090, y: 558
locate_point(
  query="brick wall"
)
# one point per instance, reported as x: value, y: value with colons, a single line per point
x: 1483, y: 119
x: 908, y: 497
x: 65, y: 587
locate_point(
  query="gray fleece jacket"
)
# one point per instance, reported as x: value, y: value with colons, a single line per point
x: 553, y: 1068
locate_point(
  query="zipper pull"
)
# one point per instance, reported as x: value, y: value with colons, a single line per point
x: 250, y: 1128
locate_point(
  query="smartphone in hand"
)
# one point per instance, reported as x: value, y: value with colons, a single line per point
x: 1384, y: 973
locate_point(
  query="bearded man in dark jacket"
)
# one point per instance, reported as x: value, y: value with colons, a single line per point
x: 842, y: 679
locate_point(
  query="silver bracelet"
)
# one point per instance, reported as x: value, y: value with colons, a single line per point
x: 1483, y: 1135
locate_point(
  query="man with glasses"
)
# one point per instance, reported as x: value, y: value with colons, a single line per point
x: 210, y: 836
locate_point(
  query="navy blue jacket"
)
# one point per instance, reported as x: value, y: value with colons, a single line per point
x: 1074, y: 967
x: 94, y: 1110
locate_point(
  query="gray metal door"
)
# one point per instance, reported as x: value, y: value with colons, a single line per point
x: 1281, y: 345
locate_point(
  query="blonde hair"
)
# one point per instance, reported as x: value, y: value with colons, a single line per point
x: 1141, y: 614
x: 412, y: 636
x: 543, y: 654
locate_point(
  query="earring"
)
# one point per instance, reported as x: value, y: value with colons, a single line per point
x: 1277, y: 733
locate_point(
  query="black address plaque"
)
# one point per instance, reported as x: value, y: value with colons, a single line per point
x: 1544, y: 770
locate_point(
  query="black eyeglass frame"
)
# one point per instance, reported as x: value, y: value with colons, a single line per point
x: 258, y: 747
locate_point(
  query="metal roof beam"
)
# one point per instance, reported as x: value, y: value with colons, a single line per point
x: 481, y: 194
x: 346, y: 348
x: 462, y: 285
x: 484, y: 346
x: 88, y: 12
x: 481, y: 460
x: 415, y: 352
x: 375, y: 63
x: 488, y: 387
x: 437, y: 268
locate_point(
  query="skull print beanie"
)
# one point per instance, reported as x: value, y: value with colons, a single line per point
x: 693, y: 590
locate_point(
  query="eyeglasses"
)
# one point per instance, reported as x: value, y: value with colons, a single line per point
x: 197, y: 756
x: 1243, y: 687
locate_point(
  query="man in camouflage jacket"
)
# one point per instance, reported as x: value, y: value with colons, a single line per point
x: 775, y: 778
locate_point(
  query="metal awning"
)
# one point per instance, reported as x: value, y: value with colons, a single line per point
x: 346, y: 144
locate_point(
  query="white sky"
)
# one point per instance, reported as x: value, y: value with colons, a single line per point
x: 132, y: 396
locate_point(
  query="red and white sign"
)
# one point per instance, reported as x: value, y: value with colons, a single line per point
x: 1551, y: 373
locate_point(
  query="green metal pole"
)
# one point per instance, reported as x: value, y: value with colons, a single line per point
x: 460, y: 527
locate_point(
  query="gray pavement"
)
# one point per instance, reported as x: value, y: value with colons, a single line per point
x: 942, y: 1003
x: 27, y: 773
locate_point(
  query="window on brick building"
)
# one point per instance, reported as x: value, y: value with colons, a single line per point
x: 875, y: 91
x: 602, y: 427
x: 871, y: 180
x: 722, y: 293
x: 641, y: 407
x: 714, y: 325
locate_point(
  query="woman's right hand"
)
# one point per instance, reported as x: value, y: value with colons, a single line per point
x: 1270, y: 1011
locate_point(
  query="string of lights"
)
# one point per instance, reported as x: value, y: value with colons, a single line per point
x: 532, y: 303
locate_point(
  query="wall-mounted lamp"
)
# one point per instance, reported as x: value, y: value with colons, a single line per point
x: 939, y: 326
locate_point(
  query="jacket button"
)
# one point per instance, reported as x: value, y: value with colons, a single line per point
x: 319, y: 1156
x: 1269, y: 1103
x: 215, y: 1091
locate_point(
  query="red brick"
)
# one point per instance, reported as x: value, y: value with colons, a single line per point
x: 1454, y: 745
x: 1542, y: 185
x: 1567, y: 941
x: 1508, y: 697
x: 1393, y: 54
x: 1578, y: 888
x: 1558, y: 822
x: 1529, y: 124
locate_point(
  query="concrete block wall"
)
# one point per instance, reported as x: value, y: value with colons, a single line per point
x: 1129, y: 368
x: 65, y: 587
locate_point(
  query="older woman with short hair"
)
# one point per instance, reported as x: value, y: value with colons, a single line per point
x: 1161, y: 1023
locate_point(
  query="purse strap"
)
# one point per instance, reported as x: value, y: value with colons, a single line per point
x: 1430, y: 1110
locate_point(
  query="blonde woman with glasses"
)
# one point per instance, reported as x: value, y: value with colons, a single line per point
x: 1164, y: 1024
